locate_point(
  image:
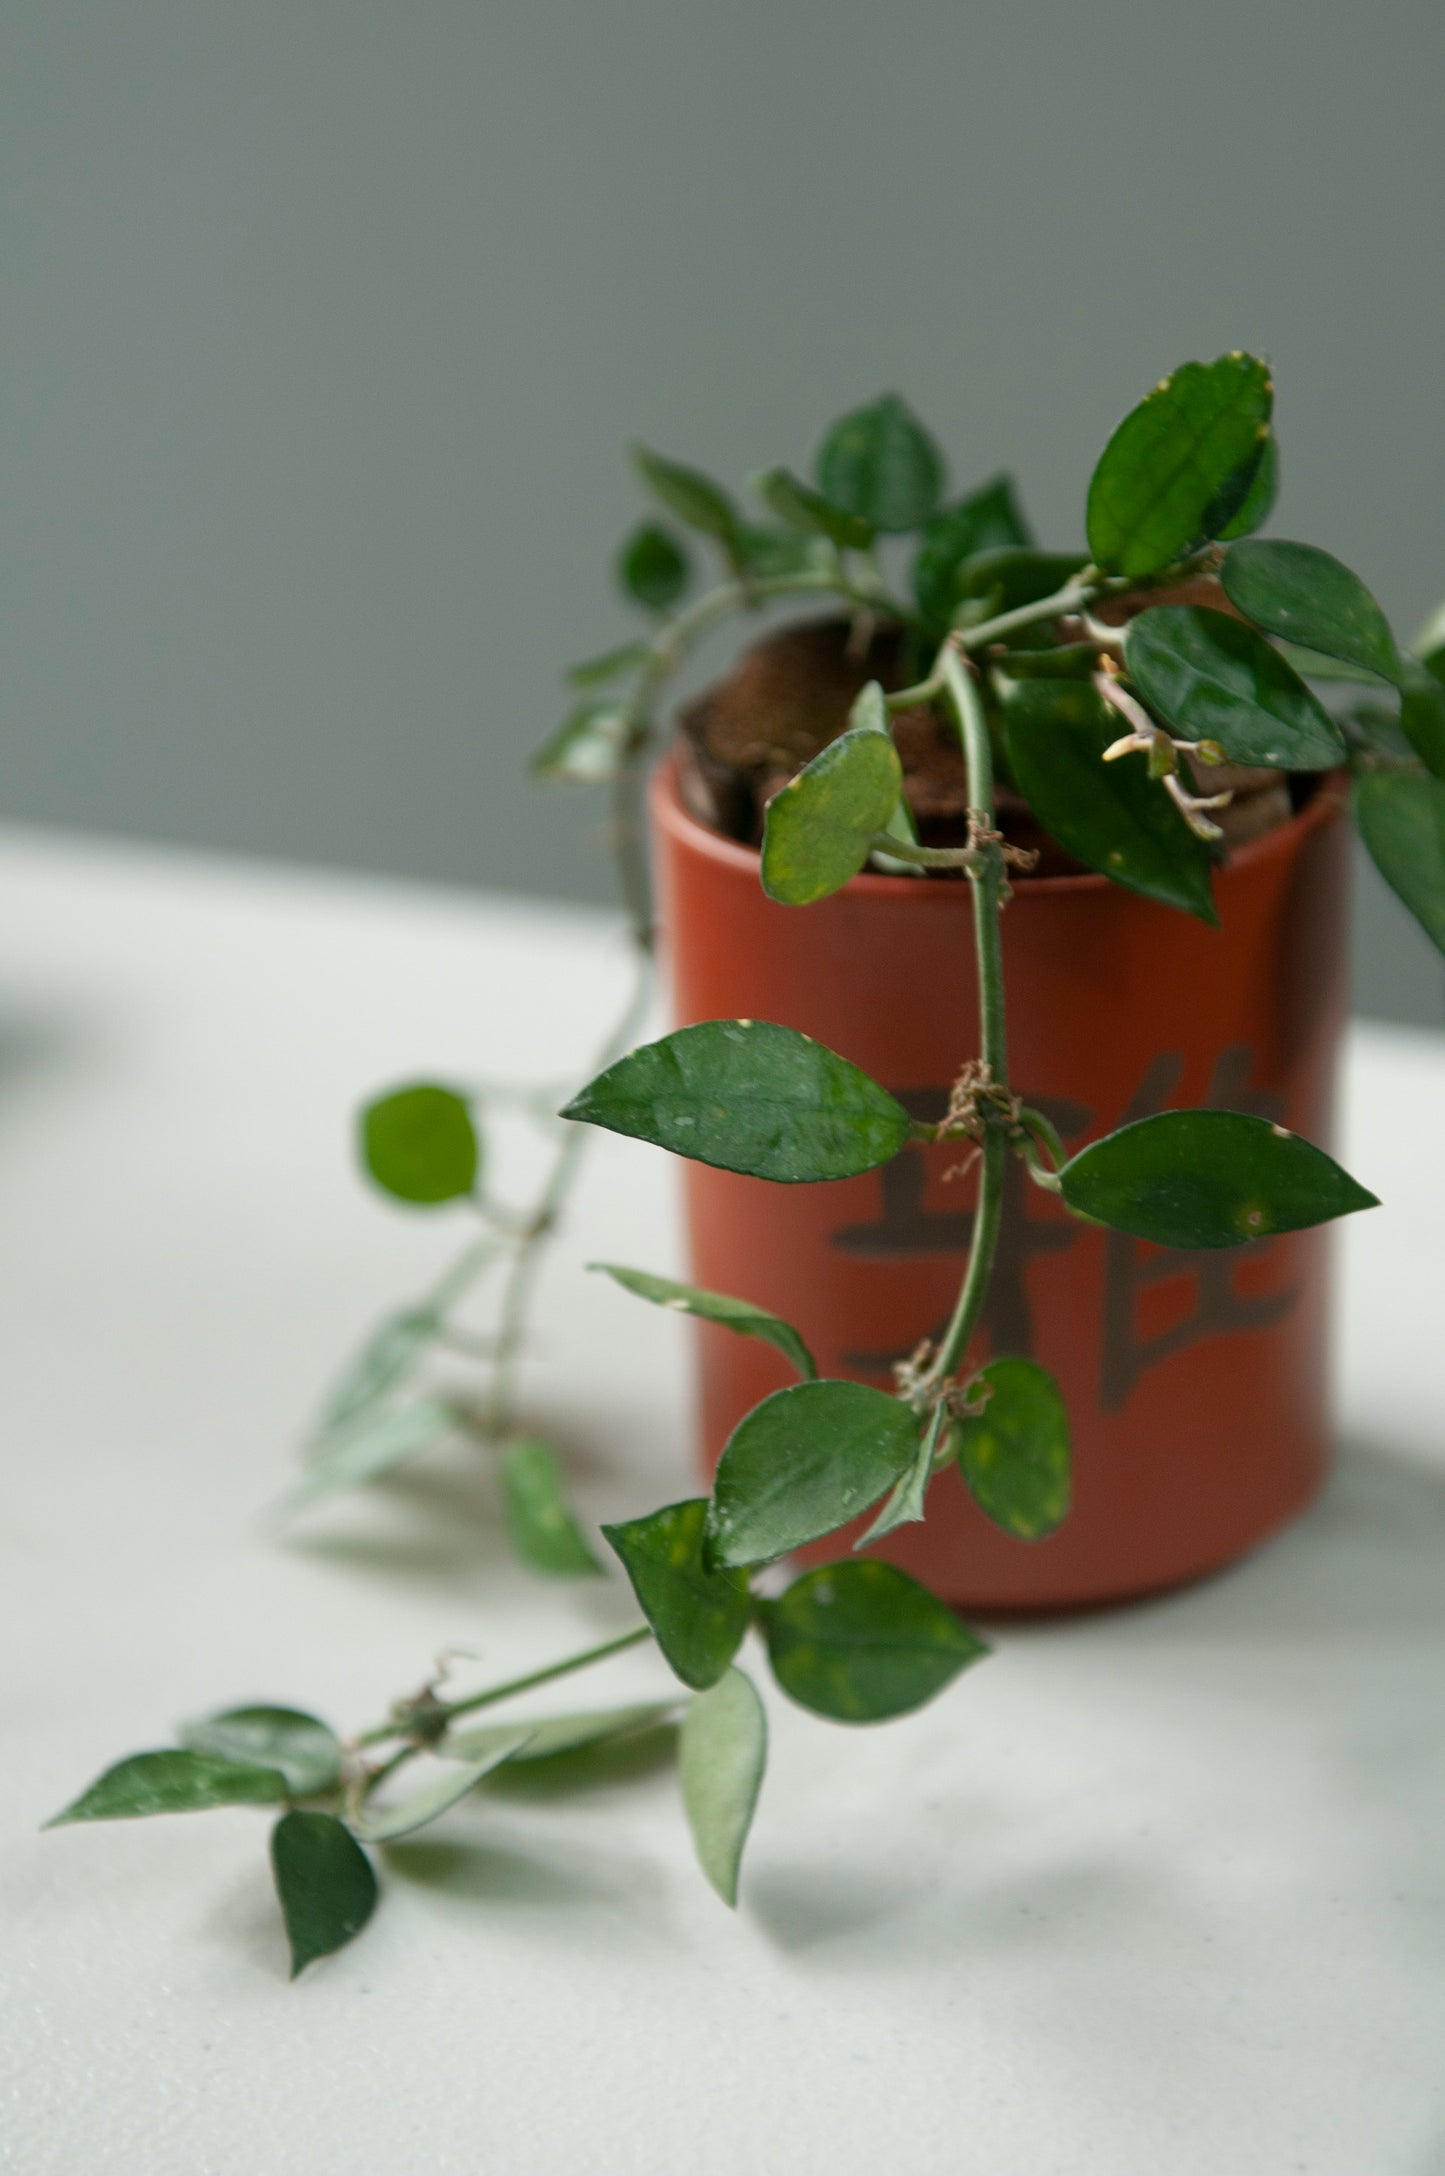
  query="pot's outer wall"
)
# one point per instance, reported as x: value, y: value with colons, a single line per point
x: 1197, y: 1384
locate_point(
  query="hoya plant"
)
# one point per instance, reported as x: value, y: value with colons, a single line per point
x: 1127, y: 692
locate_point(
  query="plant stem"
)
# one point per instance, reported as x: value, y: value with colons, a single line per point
x: 986, y: 876
x: 445, y: 1712
x: 1071, y: 598
x: 924, y: 857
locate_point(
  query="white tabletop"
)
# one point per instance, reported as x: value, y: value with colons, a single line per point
x: 1158, y: 1890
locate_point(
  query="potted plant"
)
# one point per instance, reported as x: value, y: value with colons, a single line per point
x: 1050, y: 846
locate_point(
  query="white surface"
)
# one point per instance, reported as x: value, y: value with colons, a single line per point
x: 1162, y: 1890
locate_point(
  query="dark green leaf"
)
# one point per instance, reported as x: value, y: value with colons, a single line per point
x: 420, y: 1146
x: 1209, y: 677
x: 370, y: 1446
x: 906, y: 1501
x: 1008, y: 576
x: 325, y: 1883
x: 554, y: 1735
x: 385, y: 1360
x: 593, y: 745
x: 1401, y: 817
x: 686, y: 492
x: 652, y: 567
x: 801, y: 507
x: 540, y: 1523
x: 1429, y: 644
x: 1422, y: 717
x: 390, y: 1823
x: 698, y: 1614
x: 986, y: 520
x: 1180, y: 466
x: 861, y: 1642
x: 721, y: 1759
x: 740, y: 1315
x: 611, y: 665
x: 1302, y: 594
x: 172, y: 1782
x: 1208, y: 1179
x: 818, y: 830
x: 1260, y: 497
x: 1110, y: 816
x: 305, y: 1750
x: 1014, y: 1455
x: 880, y: 463
x: 1061, y: 661
x: 803, y: 1463
x: 749, y: 1096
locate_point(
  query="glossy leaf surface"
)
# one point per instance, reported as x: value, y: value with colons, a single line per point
x: 1300, y: 593
x: 367, y: 1448
x: 801, y: 507
x: 881, y: 464
x: 861, y: 1642
x: 1209, y: 677
x: 803, y: 1463
x: 987, y: 520
x: 687, y: 493
x: 325, y: 1883
x: 1208, y: 1179
x: 1112, y: 817
x: 721, y: 1758
x: 1260, y: 497
x: 593, y: 745
x: 550, y: 1736
x: 540, y: 1522
x: 172, y: 1782
x: 305, y: 1750
x: 420, y: 1145
x: 1422, y: 717
x: 817, y: 831
x: 1401, y: 818
x: 749, y: 1096
x: 1014, y: 1455
x: 733, y: 1314
x: 652, y: 567
x: 698, y: 1613
x: 389, y: 1823
x: 1179, y: 467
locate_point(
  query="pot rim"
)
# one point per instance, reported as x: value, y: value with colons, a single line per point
x: 665, y: 801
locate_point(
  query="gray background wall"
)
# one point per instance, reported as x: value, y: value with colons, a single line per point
x: 325, y: 324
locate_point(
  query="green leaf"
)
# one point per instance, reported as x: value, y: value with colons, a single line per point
x: 906, y: 1501
x: 803, y: 1463
x: 1014, y: 1455
x: 420, y: 1145
x: 740, y: 1315
x: 1429, y: 644
x: 860, y: 1642
x: 880, y: 463
x: 749, y: 1096
x: 1209, y: 677
x: 611, y: 665
x: 768, y: 553
x: 1180, y: 466
x: 1401, y: 818
x: 1260, y: 497
x: 1110, y: 816
x: 434, y: 1799
x: 652, y: 568
x: 987, y: 520
x: 301, y: 1746
x: 1062, y: 661
x: 1311, y: 666
x: 818, y: 830
x: 802, y: 508
x: 325, y: 1884
x: 698, y: 1614
x: 553, y: 1735
x: 597, y: 741
x: 721, y: 1759
x: 1008, y: 576
x: 369, y: 1447
x: 1422, y: 717
x: 1208, y: 1179
x: 172, y: 1782
x: 687, y: 493
x: 1302, y: 594
x: 389, y: 1355
x: 540, y: 1523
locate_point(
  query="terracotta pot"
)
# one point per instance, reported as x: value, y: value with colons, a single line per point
x: 1198, y: 1383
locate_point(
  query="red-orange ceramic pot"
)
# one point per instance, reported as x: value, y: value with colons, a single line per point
x: 1197, y: 1383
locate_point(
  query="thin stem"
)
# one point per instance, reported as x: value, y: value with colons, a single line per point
x: 440, y: 1714
x: 1075, y: 594
x: 924, y: 857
